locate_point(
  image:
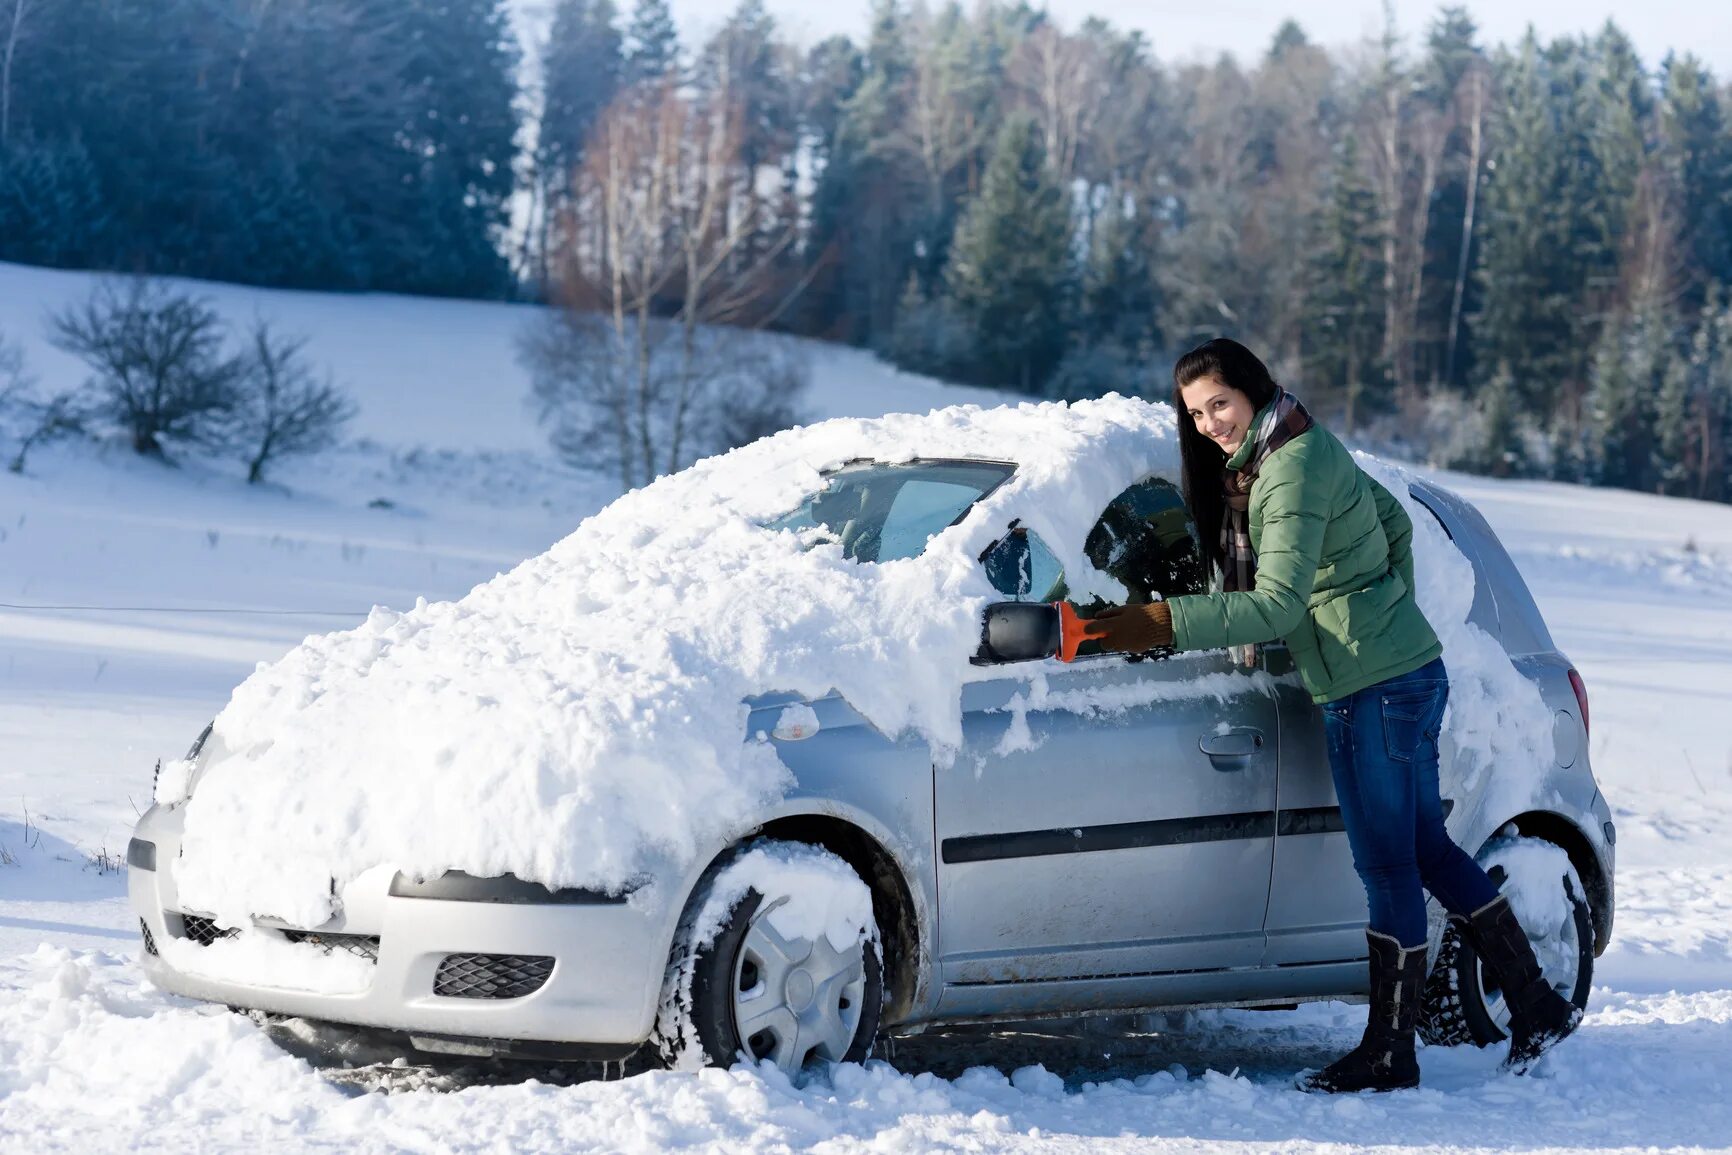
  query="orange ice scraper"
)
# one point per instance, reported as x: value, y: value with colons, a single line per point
x: 1073, y: 631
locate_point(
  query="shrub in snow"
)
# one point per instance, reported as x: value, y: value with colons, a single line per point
x: 641, y: 403
x: 580, y: 720
x: 29, y: 417
x: 282, y: 407
x: 158, y: 370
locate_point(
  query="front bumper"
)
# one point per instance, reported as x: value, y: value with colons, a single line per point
x: 599, y: 1000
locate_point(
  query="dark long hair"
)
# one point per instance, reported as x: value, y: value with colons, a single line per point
x: 1203, y: 462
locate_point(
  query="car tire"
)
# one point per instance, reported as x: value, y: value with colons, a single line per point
x: 1460, y: 1006
x: 750, y: 993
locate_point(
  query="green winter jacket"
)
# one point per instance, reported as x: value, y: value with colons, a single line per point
x: 1334, y: 574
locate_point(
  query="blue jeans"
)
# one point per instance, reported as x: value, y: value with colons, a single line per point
x: 1383, y: 755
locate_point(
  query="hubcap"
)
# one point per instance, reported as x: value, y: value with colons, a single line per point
x: 796, y: 999
x: 1559, y: 951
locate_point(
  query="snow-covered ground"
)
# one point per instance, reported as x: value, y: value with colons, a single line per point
x: 133, y: 598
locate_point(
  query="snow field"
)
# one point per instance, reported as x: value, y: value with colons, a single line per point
x: 90, y: 1058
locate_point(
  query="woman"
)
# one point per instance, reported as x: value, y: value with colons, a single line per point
x: 1314, y: 551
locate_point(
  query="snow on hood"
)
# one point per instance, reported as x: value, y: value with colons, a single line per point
x: 579, y: 720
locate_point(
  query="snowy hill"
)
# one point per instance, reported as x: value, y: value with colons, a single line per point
x: 134, y: 597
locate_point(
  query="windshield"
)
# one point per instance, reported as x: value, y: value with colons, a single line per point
x: 886, y: 512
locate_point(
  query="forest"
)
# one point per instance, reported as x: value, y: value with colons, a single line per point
x: 1508, y: 258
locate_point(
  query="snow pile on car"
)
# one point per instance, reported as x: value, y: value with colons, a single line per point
x: 1497, y: 722
x: 579, y: 720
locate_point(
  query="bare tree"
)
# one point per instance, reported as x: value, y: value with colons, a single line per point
x: 603, y: 408
x: 1470, y: 102
x: 283, y: 408
x: 666, y: 237
x: 1064, y: 79
x: 29, y: 416
x: 156, y: 358
x: 1406, y: 139
x: 942, y: 129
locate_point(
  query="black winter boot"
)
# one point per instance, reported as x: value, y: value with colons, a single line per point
x: 1539, y: 1017
x: 1383, y: 1060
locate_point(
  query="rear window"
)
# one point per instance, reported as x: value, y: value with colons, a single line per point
x: 885, y: 512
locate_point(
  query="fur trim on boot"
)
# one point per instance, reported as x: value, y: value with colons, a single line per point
x: 1539, y: 1017
x: 1383, y: 1060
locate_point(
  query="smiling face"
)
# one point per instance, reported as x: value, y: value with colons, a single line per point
x: 1221, y: 413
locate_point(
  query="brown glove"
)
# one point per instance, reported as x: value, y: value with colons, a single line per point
x: 1132, y: 629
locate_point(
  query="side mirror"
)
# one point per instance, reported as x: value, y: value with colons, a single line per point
x: 1018, y: 632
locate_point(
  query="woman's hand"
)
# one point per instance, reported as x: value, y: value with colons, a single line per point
x: 1132, y: 629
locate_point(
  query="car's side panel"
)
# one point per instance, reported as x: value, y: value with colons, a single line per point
x: 1084, y: 832
x: 850, y: 771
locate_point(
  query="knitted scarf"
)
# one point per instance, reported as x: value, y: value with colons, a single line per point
x: 1277, y: 423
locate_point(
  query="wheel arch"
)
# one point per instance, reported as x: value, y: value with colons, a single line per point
x: 893, y: 901
x: 1561, y: 832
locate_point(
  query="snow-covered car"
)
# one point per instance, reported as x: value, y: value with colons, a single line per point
x: 733, y: 769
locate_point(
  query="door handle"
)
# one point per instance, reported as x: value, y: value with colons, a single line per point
x: 1232, y: 749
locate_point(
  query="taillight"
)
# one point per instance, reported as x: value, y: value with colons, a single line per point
x: 1581, y: 698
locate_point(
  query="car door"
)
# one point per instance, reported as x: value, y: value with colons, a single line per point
x: 1317, y: 907
x: 1115, y: 816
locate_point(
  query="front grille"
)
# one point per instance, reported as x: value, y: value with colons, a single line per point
x: 202, y: 930
x: 491, y: 976
x: 149, y: 942
x: 360, y: 945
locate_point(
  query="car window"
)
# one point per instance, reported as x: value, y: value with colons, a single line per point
x: 884, y: 512
x: 1023, y: 568
x: 921, y: 508
x: 1145, y: 539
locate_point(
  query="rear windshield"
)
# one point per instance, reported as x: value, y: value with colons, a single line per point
x: 884, y: 512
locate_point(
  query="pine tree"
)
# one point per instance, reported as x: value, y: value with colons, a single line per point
x: 1694, y: 410
x: 746, y: 65
x: 652, y: 43
x: 1116, y: 298
x: 1529, y: 276
x: 831, y: 75
x: 865, y: 210
x: 1632, y: 371
x: 582, y: 66
x: 1621, y: 108
x: 456, y: 76
x: 1503, y: 453
x: 1711, y: 362
x: 1347, y: 288
x: 1696, y: 151
x: 580, y: 74
x: 1456, y: 81
x: 1009, y: 263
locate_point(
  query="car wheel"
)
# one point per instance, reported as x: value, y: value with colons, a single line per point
x: 1462, y: 1003
x: 755, y: 991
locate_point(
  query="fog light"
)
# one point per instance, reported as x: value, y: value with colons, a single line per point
x: 141, y: 854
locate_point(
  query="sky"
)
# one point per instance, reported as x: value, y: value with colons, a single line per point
x: 1181, y: 30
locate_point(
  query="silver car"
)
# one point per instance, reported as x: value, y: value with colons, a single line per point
x: 1183, y: 849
